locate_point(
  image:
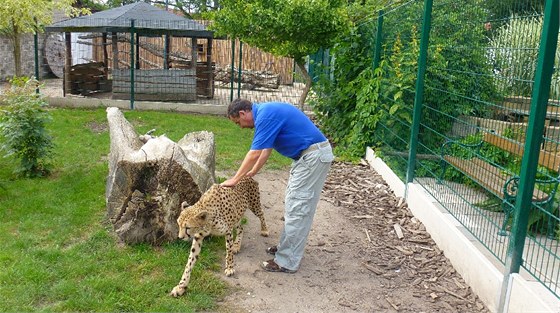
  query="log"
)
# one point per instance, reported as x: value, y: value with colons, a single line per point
x: 250, y: 79
x: 149, y: 177
x: 87, y: 78
x: 175, y: 56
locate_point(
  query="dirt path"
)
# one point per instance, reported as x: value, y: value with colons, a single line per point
x: 354, y: 261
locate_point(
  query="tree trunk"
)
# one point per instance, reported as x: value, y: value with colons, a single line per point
x: 149, y: 177
x: 308, y: 82
x: 16, y: 41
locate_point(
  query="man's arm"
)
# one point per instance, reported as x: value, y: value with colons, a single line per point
x: 248, y: 163
x: 265, y: 154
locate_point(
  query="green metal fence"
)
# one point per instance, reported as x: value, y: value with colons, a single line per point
x: 469, y: 96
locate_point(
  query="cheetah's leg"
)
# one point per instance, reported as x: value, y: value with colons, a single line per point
x: 256, y: 207
x: 229, y: 254
x: 179, y: 290
x: 238, y: 237
x: 259, y: 213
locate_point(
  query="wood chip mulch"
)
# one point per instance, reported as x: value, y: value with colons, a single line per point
x: 398, y: 248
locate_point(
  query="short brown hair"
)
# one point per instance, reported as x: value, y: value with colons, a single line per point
x: 239, y: 105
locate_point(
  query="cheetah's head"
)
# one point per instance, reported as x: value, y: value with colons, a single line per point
x: 192, y: 221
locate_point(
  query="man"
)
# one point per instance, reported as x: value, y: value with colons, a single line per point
x: 283, y: 127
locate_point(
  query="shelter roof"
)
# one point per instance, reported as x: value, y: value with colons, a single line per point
x: 148, y: 20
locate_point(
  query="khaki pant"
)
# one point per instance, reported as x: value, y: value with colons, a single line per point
x: 307, y: 177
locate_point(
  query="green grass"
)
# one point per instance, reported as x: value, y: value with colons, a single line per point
x: 58, y: 253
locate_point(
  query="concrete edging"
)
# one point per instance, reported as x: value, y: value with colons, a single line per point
x: 75, y: 102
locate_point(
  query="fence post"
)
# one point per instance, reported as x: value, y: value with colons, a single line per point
x: 166, y: 52
x: 232, y: 69
x: 377, y: 51
x: 67, y: 64
x: 419, y: 96
x: 166, y: 45
x: 239, y: 69
x: 539, y: 103
x: 36, y: 45
x: 132, y: 64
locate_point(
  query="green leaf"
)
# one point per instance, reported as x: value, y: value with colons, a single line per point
x: 397, y: 95
x: 393, y: 109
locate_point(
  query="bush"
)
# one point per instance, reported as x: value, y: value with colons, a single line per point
x: 515, y: 55
x: 22, y: 128
x: 360, y: 107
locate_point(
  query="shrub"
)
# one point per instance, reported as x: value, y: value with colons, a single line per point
x: 360, y: 107
x: 515, y: 55
x: 22, y: 128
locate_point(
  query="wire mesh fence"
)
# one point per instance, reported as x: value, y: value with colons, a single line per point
x: 493, y: 78
x: 147, y: 59
x: 460, y: 117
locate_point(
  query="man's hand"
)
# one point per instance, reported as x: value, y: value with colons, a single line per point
x: 250, y: 173
x: 252, y: 163
x: 230, y: 182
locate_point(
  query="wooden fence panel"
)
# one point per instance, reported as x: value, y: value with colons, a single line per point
x: 181, y: 50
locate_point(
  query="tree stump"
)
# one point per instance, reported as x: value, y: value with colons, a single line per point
x: 149, y: 177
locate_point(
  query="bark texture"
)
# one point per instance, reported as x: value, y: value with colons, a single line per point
x: 149, y: 177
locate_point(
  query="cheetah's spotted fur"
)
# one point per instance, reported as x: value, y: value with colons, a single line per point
x: 218, y: 212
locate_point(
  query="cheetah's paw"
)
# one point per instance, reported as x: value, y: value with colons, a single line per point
x: 177, y: 291
x: 229, y: 271
x: 235, y: 249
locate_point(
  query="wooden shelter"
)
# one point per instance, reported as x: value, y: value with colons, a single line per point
x: 128, y: 24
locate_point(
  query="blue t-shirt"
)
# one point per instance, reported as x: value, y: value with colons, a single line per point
x: 284, y: 128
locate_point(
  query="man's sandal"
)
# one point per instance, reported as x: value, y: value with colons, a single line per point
x: 271, y: 266
x: 272, y: 250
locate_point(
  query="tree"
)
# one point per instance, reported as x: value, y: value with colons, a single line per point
x: 362, y: 107
x: 290, y: 28
x: 93, y: 5
x: 18, y: 17
x: 192, y: 9
x: 501, y: 10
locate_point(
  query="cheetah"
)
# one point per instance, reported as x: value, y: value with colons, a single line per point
x: 218, y: 212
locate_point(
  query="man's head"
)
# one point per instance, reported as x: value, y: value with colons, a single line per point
x: 240, y: 111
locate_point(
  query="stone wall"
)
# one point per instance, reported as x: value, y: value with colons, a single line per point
x: 7, y: 68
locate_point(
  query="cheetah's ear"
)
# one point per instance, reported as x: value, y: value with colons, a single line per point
x: 184, y: 205
x: 202, y: 216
